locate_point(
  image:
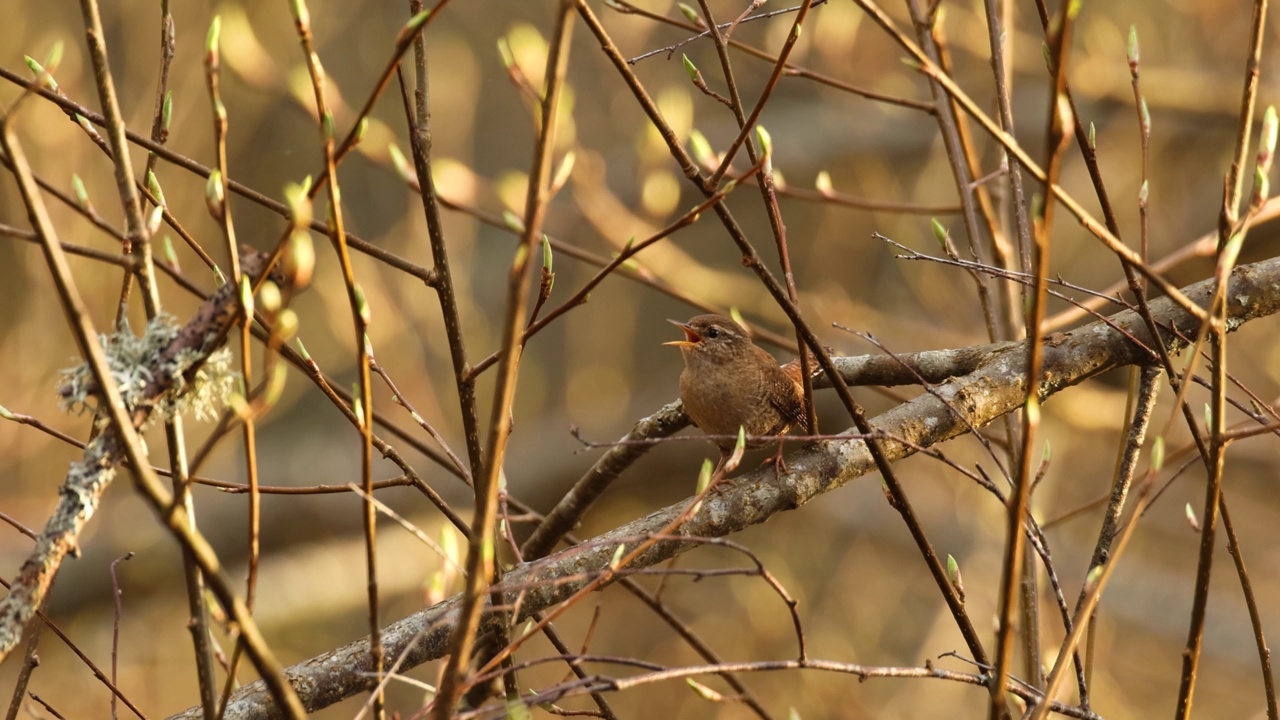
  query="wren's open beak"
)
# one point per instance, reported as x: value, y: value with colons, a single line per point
x: 691, y: 338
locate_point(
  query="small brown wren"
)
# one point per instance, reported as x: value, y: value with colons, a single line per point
x: 729, y: 383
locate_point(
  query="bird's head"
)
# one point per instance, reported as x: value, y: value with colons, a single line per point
x: 713, y: 338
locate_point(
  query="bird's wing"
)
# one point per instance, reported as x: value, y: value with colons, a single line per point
x: 790, y: 403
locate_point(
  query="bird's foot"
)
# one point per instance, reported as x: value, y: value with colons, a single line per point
x: 779, y: 464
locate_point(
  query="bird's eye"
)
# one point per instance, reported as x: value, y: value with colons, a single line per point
x: 713, y: 333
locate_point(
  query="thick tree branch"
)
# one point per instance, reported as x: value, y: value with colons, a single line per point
x: 993, y: 388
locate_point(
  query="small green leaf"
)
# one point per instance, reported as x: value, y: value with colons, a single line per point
x: 1132, y: 50
x: 690, y: 14
x: 616, y: 560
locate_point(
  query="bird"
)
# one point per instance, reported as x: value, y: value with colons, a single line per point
x: 728, y: 383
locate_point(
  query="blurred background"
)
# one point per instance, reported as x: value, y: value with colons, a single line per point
x: 864, y: 592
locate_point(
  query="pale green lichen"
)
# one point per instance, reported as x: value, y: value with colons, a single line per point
x: 135, y: 361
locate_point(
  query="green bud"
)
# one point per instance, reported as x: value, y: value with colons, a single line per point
x: 939, y: 232
x: 564, y: 170
x: 153, y: 185
x: 702, y: 148
x: 362, y: 304
x: 403, y: 168
x: 170, y: 255
x: 766, y: 140
x: 690, y: 69
x: 166, y: 111
x: 703, y: 691
x: 82, y: 197
x: 154, y: 218
x: 1267, y: 140
x: 246, y: 295
x: 823, y: 183
x: 327, y: 125
x: 504, y: 53
x: 213, y: 197
x: 1091, y: 580
x: 1157, y: 453
x: 301, y: 15
x: 270, y: 298
x: 211, y: 40
x: 286, y: 326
